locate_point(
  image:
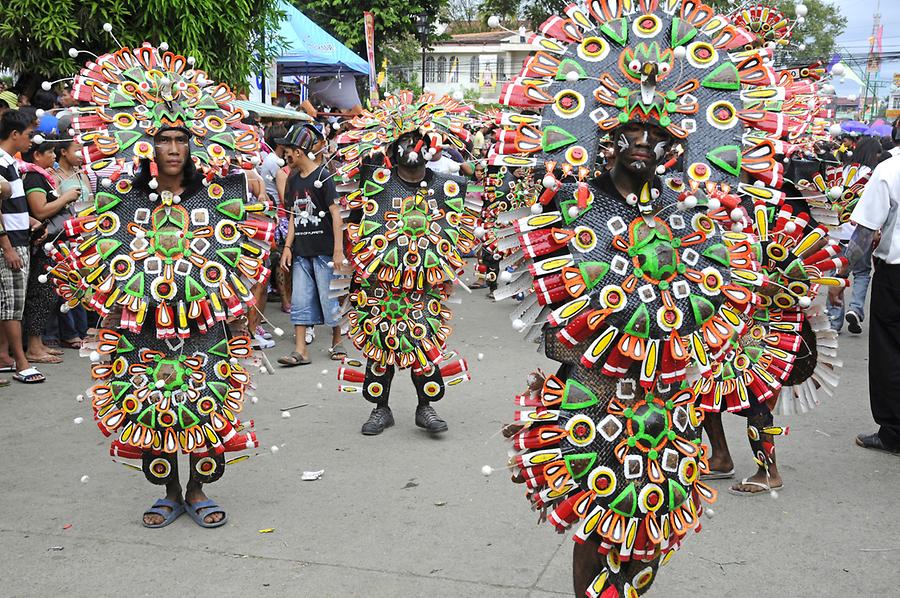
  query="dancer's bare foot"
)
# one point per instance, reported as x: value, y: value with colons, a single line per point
x: 195, y: 495
x: 153, y: 519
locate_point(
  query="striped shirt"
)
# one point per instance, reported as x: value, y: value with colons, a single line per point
x: 15, y: 209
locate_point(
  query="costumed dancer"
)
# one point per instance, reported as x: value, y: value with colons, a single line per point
x: 786, y: 357
x: 638, y: 281
x: 167, y: 254
x: 408, y: 228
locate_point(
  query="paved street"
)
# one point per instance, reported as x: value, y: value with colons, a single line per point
x: 403, y: 514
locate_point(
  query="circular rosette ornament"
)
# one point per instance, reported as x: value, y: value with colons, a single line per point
x: 662, y: 291
x: 393, y: 326
x: 618, y: 462
x: 177, y: 259
x: 412, y: 238
x: 133, y: 95
x: 167, y: 396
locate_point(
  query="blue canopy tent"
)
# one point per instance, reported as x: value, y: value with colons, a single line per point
x: 311, y: 51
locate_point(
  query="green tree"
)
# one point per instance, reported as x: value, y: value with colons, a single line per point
x: 394, y: 20
x: 822, y: 25
x: 223, y: 35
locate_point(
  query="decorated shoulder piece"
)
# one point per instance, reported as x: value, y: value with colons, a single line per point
x: 136, y: 93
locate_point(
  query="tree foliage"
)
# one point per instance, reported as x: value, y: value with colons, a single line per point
x: 394, y: 20
x: 823, y: 24
x: 35, y: 35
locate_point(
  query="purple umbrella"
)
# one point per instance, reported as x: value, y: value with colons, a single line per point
x: 854, y: 126
x: 880, y: 130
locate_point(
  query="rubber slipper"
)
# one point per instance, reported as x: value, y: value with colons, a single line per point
x: 338, y: 353
x: 70, y: 344
x: 293, y: 360
x: 745, y: 482
x: 715, y: 474
x: 29, y: 376
x: 198, y: 511
x: 177, y: 510
x: 54, y: 351
x: 8, y: 368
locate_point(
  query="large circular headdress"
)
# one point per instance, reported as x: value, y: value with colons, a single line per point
x: 137, y: 93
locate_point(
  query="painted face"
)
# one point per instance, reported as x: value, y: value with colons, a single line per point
x: 172, y: 152
x: 640, y: 147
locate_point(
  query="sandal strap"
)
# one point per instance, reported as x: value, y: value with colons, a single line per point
x: 206, y: 505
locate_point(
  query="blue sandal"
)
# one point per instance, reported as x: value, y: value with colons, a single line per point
x: 177, y: 509
x: 199, y: 511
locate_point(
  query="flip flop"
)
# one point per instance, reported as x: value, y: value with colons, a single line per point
x: 70, y: 344
x: 338, y: 353
x: 29, y: 376
x: 765, y: 488
x: 293, y: 360
x: 198, y: 511
x: 168, y: 516
x: 8, y: 368
x: 715, y: 474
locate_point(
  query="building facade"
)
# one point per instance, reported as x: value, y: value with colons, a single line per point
x: 475, y: 63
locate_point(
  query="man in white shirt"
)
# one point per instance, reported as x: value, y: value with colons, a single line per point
x: 879, y: 209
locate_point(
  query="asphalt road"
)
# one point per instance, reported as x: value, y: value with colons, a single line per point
x: 403, y: 514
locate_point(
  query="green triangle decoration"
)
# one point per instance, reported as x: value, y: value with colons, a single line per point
x: 206, y: 103
x: 367, y: 227
x: 229, y: 255
x: 682, y: 32
x: 566, y: 66
x: 405, y: 345
x: 186, y: 419
x: 593, y: 272
x: 725, y: 76
x: 127, y: 138
x: 371, y: 188
x: 119, y: 388
x: 135, y: 285
x: 390, y: 258
x: 580, y: 464
x: 232, y: 208
x: 431, y: 259
x: 726, y: 157
x: 106, y: 247
x: 577, y: 396
x: 555, y: 138
x: 118, y: 99
x: 220, y: 349
x: 104, y: 202
x: 452, y: 235
x: 727, y: 371
x: 703, y: 308
x: 639, y: 323
x: 455, y: 204
x: 677, y: 494
x: 435, y: 325
x: 124, y: 345
x: 718, y: 253
x: 193, y: 291
x: 148, y: 416
x: 226, y: 139
x: 566, y: 204
x: 616, y: 30
x: 220, y: 389
x: 626, y: 503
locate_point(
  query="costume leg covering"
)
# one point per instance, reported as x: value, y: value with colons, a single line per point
x: 377, y: 384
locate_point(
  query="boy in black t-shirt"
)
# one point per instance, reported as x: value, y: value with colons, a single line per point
x: 313, y: 248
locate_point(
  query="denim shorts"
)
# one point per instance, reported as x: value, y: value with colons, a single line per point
x: 310, y: 303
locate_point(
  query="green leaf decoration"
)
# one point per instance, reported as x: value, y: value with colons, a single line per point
x: 725, y: 76
x: 626, y: 503
x: 703, y: 308
x: 726, y: 157
x: 580, y: 464
x: 616, y: 30
x: 677, y: 494
x: 577, y: 396
x: 682, y: 32
x: 555, y: 138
